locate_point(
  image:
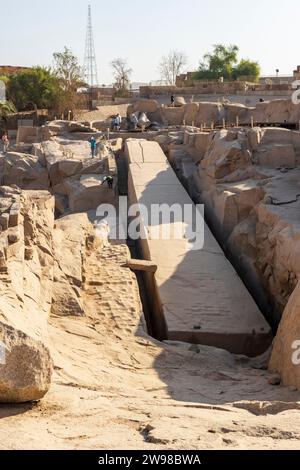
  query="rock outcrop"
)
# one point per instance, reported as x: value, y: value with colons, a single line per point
x: 85, y: 192
x: 25, y: 171
x: 26, y: 276
x: 285, y: 358
x: 42, y: 263
x: 64, y: 167
x: 249, y: 180
x: 275, y: 112
x: 65, y: 127
x: 42, y: 273
x: 73, y: 236
x: 180, y: 101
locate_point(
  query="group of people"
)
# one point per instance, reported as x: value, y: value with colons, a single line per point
x: 5, y: 142
x: 132, y: 122
x: 117, y: 122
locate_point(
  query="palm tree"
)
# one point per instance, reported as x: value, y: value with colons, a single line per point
x: 6, y: 108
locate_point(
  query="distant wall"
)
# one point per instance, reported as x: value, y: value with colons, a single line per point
x: 279, y: 112
x: 27, y: 134
x: 33, y: 118
x: 200, y: 88
x: 236, y: 95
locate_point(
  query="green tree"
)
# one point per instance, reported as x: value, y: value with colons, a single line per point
x: 248, y: 69
x: 36, y: 88
x: 67, y: 69
x: 4, y: 79
x: 69, y: 75
x: 40, y: 87
x: 6, y: 108
x: 219, y: 63
x: 223, y: 62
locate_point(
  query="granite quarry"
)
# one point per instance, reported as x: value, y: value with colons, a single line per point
x: 124, y: 337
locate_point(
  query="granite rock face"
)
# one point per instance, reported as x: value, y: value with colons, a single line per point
x: 26, y: 277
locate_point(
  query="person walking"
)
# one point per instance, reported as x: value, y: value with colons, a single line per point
x: 93, y: 144
x: 5, y: 142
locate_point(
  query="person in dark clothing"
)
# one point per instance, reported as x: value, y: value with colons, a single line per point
x: 173, y: 101
x: 110, y: 181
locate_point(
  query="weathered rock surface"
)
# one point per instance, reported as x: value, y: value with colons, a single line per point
x: 42, y: 272
x: 85, y: 192
x: 111, y: 379
x: 76, y: 178
x: 180, y: 101
x: 253, y: 205
x: 65, y: 127
x: 73, y: 236
x: 26, y: 273
x: 143, y: 106
x: 23, y: 170
x: 25, y: 367
x: 285, y: 358
x: 275, y: 112
x: 225, y: 156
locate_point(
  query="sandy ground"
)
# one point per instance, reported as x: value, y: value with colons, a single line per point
x: 103, y: 113
x: 116, y: 388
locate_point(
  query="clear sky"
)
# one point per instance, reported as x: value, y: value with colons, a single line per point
x: 142, y: 31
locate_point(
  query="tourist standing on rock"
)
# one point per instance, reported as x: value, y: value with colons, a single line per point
x: 93, y: 144
x: 117, y: 122
x: 5, y: 142
x: 134, y: 121
x: 173, y: 101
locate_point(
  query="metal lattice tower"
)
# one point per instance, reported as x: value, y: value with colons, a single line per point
x: 90, y: 63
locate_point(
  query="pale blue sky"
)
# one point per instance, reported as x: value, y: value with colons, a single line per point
x: 141, y: 31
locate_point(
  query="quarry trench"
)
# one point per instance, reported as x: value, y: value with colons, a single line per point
x: 154, y: 328
x: 247, y: 342
x: 237, y: 207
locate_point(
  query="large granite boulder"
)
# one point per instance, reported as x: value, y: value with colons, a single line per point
x: 24, y: 171
x: 180, y: 101
x: 143, y: 106
x: 276, y: 111
x: 86, y: 192
x: 25, y: 367
x: 225, y: 155
x: 234, y: 111
x: 63, y: 127
x: 209, y: 113
x: 190, y: 113
x: 285, y: 358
